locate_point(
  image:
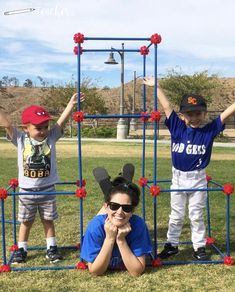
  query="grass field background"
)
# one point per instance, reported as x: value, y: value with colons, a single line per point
x: 112, y: 156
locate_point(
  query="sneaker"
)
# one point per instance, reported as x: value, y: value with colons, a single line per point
x: 53, y: 255
x: 168, y: 251
x: 19, y: 256
x: 128, y: 171
x: 200, y: 254
x: 102, y: 177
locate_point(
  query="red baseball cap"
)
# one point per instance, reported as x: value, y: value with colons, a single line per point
x: 35, y: 115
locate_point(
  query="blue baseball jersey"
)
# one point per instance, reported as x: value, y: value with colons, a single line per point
x: 191, y: 147
x: 138, y: 240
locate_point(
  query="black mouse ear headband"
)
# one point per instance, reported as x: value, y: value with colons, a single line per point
x: 102, y: 177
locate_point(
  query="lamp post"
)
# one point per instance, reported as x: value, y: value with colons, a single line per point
x: 133, y: 123
x: 121, y: 125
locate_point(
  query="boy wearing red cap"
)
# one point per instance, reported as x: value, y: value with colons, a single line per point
x: 191, y: 146
x: 37, y: 173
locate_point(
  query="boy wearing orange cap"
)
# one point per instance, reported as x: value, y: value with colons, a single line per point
x: 191, y: 147
x: 37, y: 173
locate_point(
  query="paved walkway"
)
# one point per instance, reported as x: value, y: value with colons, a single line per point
x: 216, y: 144
x: 164, y: 141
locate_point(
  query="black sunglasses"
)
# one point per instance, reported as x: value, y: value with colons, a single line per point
x: 115, y: 206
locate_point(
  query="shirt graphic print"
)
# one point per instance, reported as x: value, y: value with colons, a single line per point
x: 36, y: 158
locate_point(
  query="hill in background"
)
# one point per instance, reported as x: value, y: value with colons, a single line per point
x: 15, y: 99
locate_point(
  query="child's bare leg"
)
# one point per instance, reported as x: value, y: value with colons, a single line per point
x: 49, y: 228
x: 24, y: 231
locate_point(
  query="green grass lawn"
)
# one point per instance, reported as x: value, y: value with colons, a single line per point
x: 167, y: 278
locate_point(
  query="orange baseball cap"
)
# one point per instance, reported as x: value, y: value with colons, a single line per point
x: 192, y: 102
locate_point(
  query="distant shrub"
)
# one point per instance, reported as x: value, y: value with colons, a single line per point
x: 222, y: 138
x: 99, y: 132
x: 106, y: 88
x: 2, y: 132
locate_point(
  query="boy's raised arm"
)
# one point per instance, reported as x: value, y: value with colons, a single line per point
x: 67, y: 111
x: 227, y: 113
x: 160, y: 94
x: 6, y: 123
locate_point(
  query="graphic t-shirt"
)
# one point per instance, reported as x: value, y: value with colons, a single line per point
x: 191, y: 147
x: 37, y: 160
x: 138, y: 240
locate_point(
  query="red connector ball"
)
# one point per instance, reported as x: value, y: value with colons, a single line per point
x: 156, y: 263
x: 81, y: 266
x: 144, y: 116
x: 143, y: 181
x: 13, y: 183
x: 144, y: 51
x: 156, y: 39
x: 208, y: 178
x: 83, y: 182
x: 228, y: 189
x: 155, y: 116
x: 228, y: 261
x: 78, y: 38
x: 5, y: 268
x: 14, y: 247
x: 80, y: 193
x: 210, y: 240
x: 75, y: 50
x: 3, y: 194
x: 78, y: 117
x: 155, y: 191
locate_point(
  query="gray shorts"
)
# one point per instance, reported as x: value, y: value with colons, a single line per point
x: 45, y: 204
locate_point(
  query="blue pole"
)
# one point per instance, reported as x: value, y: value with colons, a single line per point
x: 155, y: 155
x: 208, y: 213
x: 115, y: 39
x: 228, y: 224
x: 144, y: 138
x: 79, y: 143
x: 110, y: 50
x: 3, y: 234
x: 112, y: 116
x: 14, y: 215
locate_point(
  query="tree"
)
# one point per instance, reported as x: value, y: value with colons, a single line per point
x: 28, y: 83
x: 57, y: 97
x: 9, y: 82
x: 176, y: 84
x: 5, y: 81
x: 44, y: 83
x: 13, y: 82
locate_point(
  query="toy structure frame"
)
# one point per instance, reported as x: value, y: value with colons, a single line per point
x: 145, y: 184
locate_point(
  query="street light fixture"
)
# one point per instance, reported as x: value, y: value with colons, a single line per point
x: 121, y: 125
x: 111, y: 60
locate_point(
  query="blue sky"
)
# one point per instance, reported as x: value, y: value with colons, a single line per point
x: 196, y: 35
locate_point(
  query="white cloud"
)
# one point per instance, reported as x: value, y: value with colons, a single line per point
x: 201, y: 30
